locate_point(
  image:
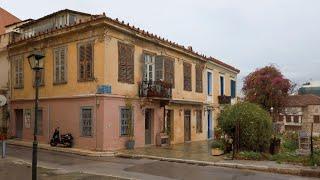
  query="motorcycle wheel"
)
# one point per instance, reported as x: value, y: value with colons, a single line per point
x: 53, y: 144
x: 68, y: 144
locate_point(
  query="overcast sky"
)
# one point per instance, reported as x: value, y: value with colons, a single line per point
x: 247, y: 34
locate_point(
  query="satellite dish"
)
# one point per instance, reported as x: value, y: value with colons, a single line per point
x: 3, y: 100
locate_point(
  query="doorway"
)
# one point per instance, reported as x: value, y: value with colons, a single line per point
x: 19, y: 122
x: 148, y: 126
x: 187, y: 125
x: 209, y: 113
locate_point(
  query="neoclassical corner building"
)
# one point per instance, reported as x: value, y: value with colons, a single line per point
x: 96, y: 67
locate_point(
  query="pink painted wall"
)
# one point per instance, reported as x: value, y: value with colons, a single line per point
x: 65, y: 113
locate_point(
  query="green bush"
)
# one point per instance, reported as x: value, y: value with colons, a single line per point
x: 217, y: 144
x: 255, y: 125
x: 249, y: 155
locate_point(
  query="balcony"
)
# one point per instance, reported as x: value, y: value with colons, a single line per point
x: 155, y: 89
x: 224, y: 99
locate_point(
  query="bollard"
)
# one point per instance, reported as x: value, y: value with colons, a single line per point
x: 3, y: 149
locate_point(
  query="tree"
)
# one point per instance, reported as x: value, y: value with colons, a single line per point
x: 267, y: 87
x: 254, y: 125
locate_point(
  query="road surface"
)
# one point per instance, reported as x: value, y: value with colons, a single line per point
x: 137, y: 168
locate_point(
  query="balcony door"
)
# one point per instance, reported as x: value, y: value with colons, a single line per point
x: 19, y: 122
x: 187, y: 125
x: 149, y: 67
x: 148, y: 126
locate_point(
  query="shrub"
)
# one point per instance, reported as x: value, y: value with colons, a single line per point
x: 217, y: 144
x: 249, y: 155
x: 255, y: 125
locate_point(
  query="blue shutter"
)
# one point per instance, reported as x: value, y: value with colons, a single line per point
x: 233, y: 88
x: 209, y: 74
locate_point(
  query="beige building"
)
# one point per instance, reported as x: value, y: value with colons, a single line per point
x: 102, y: 74
x: 300, y: 112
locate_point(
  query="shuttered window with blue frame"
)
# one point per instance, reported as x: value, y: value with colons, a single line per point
x: 221, y: 85
x: 233, y: 88
x: 209, y: 79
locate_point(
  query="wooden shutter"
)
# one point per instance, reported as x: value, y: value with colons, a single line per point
x: 89, y: 61
x: 233, y: 88
x: 159, y: 68
x: 187, y: 77
x: 125, y: 63
x: 169, y: 71
x: 86, y: 61
x: 130, y: 64
x: 199, y: 85
x: 63, y: 65
x: 82, y: 62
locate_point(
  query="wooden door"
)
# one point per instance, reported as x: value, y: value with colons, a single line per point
x: 19, y: 122
x: 148, y: 126
x: 187, y: 125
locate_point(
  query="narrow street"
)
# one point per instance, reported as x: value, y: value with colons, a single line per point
x: 135, y: 168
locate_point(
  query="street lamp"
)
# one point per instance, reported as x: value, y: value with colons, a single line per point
x: 36, y: 64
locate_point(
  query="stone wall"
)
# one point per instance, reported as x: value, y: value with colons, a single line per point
x: 309, y: 112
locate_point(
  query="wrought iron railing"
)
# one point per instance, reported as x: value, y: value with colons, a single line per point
x: 224, y: 99
x: 158, y: 89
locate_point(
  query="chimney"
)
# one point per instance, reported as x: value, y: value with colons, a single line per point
x: 190, y: 48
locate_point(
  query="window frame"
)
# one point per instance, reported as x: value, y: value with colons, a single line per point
x: 210, y: 84
x: 122, y: 79
x: 316, y: 119
x: 199, y: 127
x: 92, y: 121
x: 235, y: 88
x: 224, y: 85
x: 55, y: 81
x: 186, y: 76
x: 16, y: 62
x: 85, y: 43
x: 120, y: 120
x: 199, y: 78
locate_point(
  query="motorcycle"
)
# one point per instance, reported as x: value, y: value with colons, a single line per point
x: 65, y: 140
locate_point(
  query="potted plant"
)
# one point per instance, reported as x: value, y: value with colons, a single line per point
x: 217, y: 148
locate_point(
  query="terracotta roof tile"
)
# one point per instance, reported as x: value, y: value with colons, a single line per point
x: 302, y: 100
x: 137, y: 30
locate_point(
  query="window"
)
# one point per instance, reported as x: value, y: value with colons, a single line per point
x: 209, y: 84
x: 221, y: 85
x: 60, y: 65
x: 164, y: 69
x: 288, y: 118
x: 199, y: 86
x: 187, y: 85
x: 149, y: 71
x: 17, y: 64
x: 169, y: 71
x: 316, y: 119
x: 126, y: 63
x: 85, y: 58
x: 281, y: 118
x: 199, y: 121
x: 126, y: 121
x: 39, y: 122
x: 296, y: 119
x: 233, y: 88
x: 86, y: 121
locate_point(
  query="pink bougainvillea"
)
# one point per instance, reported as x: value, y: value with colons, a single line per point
x: 267, y: 86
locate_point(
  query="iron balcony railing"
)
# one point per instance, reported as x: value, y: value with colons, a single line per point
x: 159, y: 89
x: 224, y: 99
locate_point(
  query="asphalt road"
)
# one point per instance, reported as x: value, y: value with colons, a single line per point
x: 137, y: 168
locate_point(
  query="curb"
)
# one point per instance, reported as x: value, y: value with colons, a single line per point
x: 290, y: 171
x: 65, y: 150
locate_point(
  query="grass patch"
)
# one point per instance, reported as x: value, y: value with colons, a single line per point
x: 249, y: 155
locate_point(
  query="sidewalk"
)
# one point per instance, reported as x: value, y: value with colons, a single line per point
x: 77, y: 151
x: 199, y: 153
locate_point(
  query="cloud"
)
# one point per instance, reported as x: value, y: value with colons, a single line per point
x: 247, y: 34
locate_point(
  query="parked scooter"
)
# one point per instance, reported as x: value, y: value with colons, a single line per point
x: 66, y: 140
